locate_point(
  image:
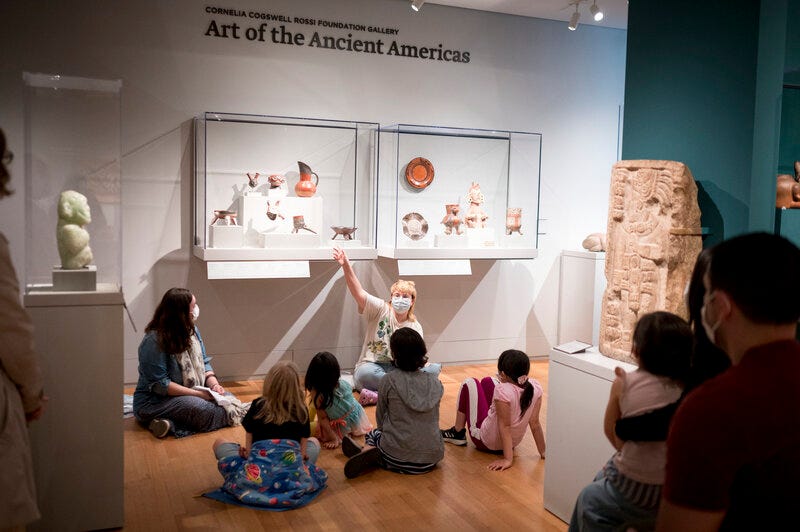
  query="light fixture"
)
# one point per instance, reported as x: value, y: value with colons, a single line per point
x: 573, y: 21
x: 417, y: 4
x: 596, y: 12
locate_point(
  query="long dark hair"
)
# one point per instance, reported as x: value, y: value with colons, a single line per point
x: 5, y: 177
x: 515, y: 364
x: 408, y: 349
x: 322, y: 377
x: 663, y: 344
x: 171, y: 321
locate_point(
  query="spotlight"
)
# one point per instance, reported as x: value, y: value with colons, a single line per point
x: 573, y: 21
x: 417, y: 4
x: 596, y: 12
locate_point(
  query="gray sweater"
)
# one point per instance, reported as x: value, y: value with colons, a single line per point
x: 408, y: 416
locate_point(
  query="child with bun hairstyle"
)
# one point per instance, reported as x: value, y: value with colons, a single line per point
x: 498, y: 410
x: 338, y: 412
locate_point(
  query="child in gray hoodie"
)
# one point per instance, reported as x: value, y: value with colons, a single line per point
x: 407, y: 439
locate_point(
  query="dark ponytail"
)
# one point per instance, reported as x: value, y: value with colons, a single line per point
x: 515, y: 364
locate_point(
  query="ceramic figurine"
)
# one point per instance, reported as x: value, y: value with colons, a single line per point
x: 224, y: 217
x: 513, y: 220
x: 252, y: 181
x: 276, y: 181
x: 594, y: 242
x: 451, y: 220
x: 787, y: 191
x: 72, y: 238
x: 305, y: 188
x: 300, y: 223
x: 346, y: 232
x: 274, y: 212
x: 475, y: 218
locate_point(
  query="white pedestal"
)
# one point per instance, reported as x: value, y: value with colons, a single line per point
x: 253, y: 217
x: 225, y: 236
x: 451, y: 241
x: 481, y: 237
x: 581, y: 286
x: 78, y: 443
x: 576, y: 446
x: 514, y: 240
x: 82, y: 280
x: 303, y: 239
x: 355, y: 243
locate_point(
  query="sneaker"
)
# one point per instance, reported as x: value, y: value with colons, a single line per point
x: 362, y: 462
x: 160, y: 427
x: 367, y: 397
x: 349, y: 447
x: 456, y: 437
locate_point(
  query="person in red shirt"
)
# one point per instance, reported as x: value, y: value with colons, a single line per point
x: 733, y: 451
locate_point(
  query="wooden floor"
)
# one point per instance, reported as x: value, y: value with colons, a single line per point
x: 164, y: 478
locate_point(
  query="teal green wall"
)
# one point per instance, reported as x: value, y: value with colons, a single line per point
x: 690, y: 92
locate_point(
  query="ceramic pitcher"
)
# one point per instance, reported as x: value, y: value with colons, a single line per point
x: 305, y: 188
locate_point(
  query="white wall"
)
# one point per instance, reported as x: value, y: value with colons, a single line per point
x: 525, y: 74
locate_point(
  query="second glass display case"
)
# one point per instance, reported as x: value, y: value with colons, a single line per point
x: 453, y: 193
x: 280, y: 188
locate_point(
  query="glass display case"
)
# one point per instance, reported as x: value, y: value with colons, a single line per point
x: 452, y: 193
x: 281, y: 188
x: 73, y: 184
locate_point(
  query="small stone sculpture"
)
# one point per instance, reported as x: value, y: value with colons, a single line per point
x: 787, y: 194
x: 595, y: 242
x: 653, y: 240
x: 73, y: 239
x: 514, y: 220
x: 451, y: 220
x: 475, y: 217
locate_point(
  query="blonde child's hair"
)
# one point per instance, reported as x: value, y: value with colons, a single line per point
x: 407, y: 287
x: 284, y: 399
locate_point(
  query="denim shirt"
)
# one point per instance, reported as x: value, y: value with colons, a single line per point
x: 157, y: 369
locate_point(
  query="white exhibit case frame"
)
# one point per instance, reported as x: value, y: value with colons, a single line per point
x: 506, y: 165
x: 72, y: 130
x: 342, y: 154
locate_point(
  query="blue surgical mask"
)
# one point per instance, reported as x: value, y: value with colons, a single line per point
x: 401, y: 304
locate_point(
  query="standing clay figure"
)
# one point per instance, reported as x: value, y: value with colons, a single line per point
x: 475, y: 218
x: 73, y: 239
x: 787, y: 195
x: 451, y: 220
x: 305, y: 188
x: 514, y: 220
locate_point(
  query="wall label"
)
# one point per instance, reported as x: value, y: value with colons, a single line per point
x: 272, y: 33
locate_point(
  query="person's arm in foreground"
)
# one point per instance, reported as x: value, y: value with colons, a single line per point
x: 503, y: 410
x: 353, y: 284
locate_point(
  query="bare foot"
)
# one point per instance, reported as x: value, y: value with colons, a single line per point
x: 332, y: 444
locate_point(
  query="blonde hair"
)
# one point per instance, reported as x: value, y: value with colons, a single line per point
x: 283, y: 396
x: 407, y: 287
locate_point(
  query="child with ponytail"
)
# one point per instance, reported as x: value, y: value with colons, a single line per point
x: 498, y: 410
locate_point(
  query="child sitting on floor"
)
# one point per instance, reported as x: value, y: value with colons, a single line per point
x: 407, y: 439
x: 276, y: 466
x: 338, y: 412
x: 497, y: 411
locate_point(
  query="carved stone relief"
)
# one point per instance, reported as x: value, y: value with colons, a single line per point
x: 653, y: 239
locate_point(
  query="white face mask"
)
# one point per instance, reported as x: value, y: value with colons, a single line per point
x: 196, y: 312
x: 401, y: 304
x: 711, y: 330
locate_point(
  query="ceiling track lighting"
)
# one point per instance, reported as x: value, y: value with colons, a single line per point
x: 416, y: 5
x: 594, y: 9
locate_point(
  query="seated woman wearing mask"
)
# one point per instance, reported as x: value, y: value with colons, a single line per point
x: 383, y: 318
x: 178, y: 391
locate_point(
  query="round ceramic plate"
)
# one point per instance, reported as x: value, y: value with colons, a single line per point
x: 415, y: 226
x: 419, y: 172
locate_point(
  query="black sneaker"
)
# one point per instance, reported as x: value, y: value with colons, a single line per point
x: 456, y: 437
x: 362, y: 462
x: 349, y: 447
x: 160, y: 427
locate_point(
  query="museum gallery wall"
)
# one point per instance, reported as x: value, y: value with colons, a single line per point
x: 523, y: 75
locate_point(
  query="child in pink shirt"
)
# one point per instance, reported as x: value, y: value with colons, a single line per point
x: 498, y: 410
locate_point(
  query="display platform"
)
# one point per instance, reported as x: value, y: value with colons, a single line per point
x: 582, y: 282
x: 578, y: 389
